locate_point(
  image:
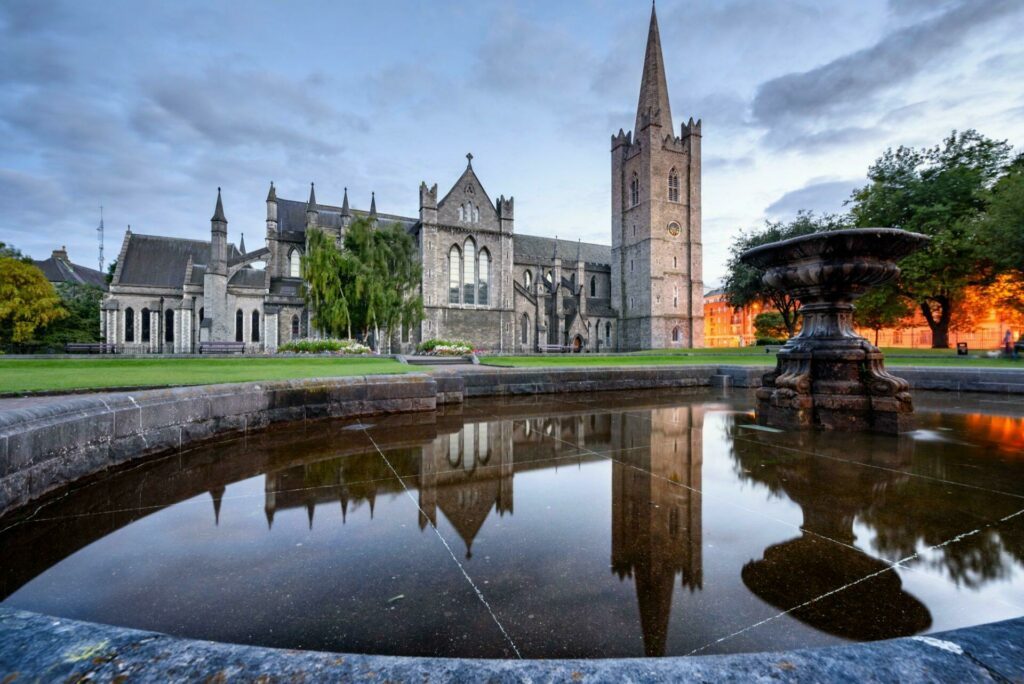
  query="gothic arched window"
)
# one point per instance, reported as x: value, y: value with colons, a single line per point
x: 608, y: 333
x: 675, y: 334
x: 634, y: 190
x: 462, y: 212
x: 129, y: 325
x: 675, y: 297
x: 593, y: 286
x: 484, y: 278
x: 468, y: 272
x: 169, y: 325
x: 145, y: 325
x: 255, y: 334
x: 524, y: 329
x: 294, y: 264
x: 295, y: 327
x: 454, y: 274
x: 239, y: 337
x: 528, y: 279
x: 673, y: 186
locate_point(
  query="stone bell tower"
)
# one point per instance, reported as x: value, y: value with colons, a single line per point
x: 657, y: 285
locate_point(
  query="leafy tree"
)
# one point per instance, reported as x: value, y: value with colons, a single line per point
x: 27, y: 301
x: 82, y: 303
x: 371, y: 284
x: 881, y: 307
x: 323, y: 268
x: 1002, y: 230
x: 12, y: 252
x: 743, y: 285
x: 940, y: 191
x: 769, y: 325
x: 110, y: 270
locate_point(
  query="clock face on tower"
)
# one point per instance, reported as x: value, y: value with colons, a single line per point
x: 673, y: 229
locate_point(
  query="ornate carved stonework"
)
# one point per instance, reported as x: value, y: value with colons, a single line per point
x: 828, y: 376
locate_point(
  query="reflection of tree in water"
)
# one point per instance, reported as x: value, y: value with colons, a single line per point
x: 800, y: 575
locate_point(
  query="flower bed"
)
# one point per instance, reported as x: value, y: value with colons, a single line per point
x: 445, y: 348
x: 324, y: 346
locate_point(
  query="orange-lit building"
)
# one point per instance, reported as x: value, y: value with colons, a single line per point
x: 726, y: 327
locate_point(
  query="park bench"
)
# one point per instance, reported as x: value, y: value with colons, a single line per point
x: 222, y: 347
x: 553, y: 348
x: 89, y: 348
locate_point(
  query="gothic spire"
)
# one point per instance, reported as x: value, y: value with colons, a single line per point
x: 218, y: 213
x: 311, y: 204
x: 653, y: 101
x: 373, y: 205
x: 241, y: 244
x: 272, y: 195
x: 344, y: 205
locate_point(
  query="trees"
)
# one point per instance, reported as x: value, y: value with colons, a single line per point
x: 27, y: 301
x: 940, y: 191
x: 371, y: 284
x: 881, y: 307
x: 82, y: 303
x: 769, y: 325
x: 1002, y: 234
x: 743, y: 285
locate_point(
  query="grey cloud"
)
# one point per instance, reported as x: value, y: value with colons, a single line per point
x: 850, y: 83
x: 819, y: 196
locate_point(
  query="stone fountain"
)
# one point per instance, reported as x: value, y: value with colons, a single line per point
x: 828, y: 376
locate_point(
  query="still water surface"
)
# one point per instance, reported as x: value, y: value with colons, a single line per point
x: 616, y: 524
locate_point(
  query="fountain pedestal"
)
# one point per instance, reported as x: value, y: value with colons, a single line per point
x: 828, y: 376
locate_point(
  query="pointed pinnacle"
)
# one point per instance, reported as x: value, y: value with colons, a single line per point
x: 272, y: 195
x: 311, y: 205
x: 218, y: 213
x: 373, y: 204
x: 344, y: 205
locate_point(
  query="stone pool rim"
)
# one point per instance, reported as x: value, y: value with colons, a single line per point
x: 48, y: 445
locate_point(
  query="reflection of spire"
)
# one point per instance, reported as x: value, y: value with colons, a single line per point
x: 218, y: 495
x: 656, y: 514
x: 373, y: 500
x: 310, y: 508
x: 270, y: 516
x: 343, y: 497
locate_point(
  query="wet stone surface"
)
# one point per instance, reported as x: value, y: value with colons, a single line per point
x: 622, y: 524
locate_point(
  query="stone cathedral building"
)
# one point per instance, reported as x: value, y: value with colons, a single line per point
x: 482, y: 282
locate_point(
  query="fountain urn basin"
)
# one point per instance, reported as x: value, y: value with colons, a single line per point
x: 827, y: 376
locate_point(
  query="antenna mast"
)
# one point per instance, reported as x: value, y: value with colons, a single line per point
x: 99, y: 234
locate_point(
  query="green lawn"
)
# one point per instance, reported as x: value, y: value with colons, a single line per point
x: 71, y: 374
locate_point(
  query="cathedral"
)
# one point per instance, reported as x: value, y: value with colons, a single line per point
x: 481, y: 281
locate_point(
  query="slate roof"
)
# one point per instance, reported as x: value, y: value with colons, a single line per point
x: 158, y: 261
x: 291, y: 217
x: 60, y: 270
x: 248, y: 277
x: 533, y: 249
x: 600, y: 307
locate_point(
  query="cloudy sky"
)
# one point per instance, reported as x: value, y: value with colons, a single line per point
x: 146, y: 108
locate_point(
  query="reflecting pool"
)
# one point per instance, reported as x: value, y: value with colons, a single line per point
x: 613, y: 524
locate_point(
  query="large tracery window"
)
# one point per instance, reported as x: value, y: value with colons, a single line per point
x: 454, y: 274
x: 484, y: 278
x: 294, y: 264
x: 634, y: 190
x: 673, y: 186
x: 468, y: 275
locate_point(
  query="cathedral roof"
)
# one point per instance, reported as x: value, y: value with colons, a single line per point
x: 291, y: 217
x: 158, y: 261
x: 533, y: 249
x: 58, y: 269
x: 653, y: 100
x: 248, y: 277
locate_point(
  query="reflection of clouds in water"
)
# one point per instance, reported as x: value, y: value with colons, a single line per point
x: 934, y: 436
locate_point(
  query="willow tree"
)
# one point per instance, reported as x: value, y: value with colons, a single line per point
x: 324, y: 270
x: 371, y: 283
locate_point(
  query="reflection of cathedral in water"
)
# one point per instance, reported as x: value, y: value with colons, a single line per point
x: 467, y: 472
x: 656, y: 510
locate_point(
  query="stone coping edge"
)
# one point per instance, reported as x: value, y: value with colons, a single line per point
x: 57, y: 649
